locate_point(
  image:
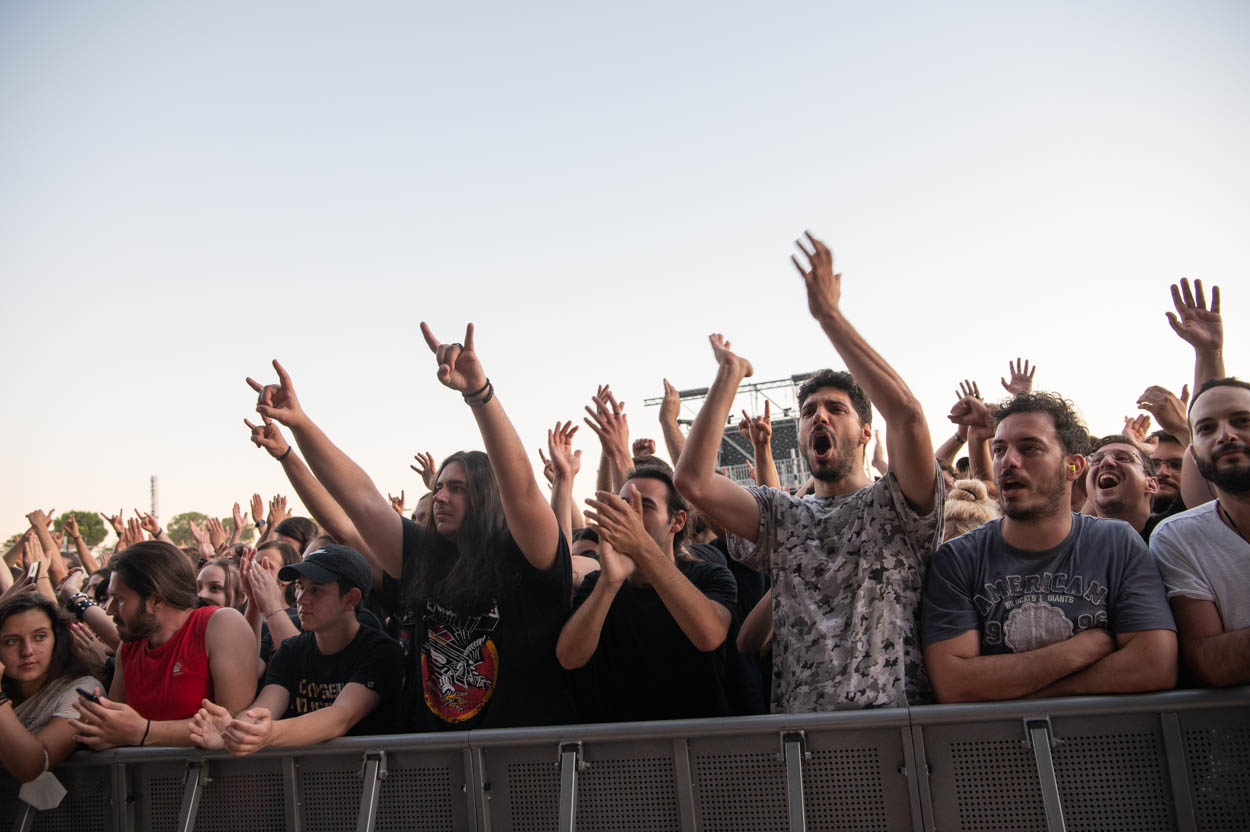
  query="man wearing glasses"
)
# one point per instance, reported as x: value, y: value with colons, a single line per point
x: 1121, y: 483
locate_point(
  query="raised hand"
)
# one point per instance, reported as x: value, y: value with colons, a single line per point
x: 277, y: 510
x: 1137, y: 428
x: 458, y: 367
x: 216, y: 533
x: 643, y: 447
x: 134, y: 529
x: 1203, y: 328
x: 426, y: 469
x: 609, y: 422
x: 269, y: 436
x: 278, y: 401
x: 549, y: 470
x: 260, y: 582
x: 725, y: 356
x: 671, y: 406
x: 200, y: 533
x: 1021, y: 377
x: 759, y: 429
x: 208, y: 725
x: 117, y: 521
x: 70, y: 526
x: 148, y: 523
x: 39, y: 518
x: 1168, y: 410
x: 972, y: 412
x: 565, y: 462
x: 397, y: 503
x: 240, y: 520
x: 968, y: 388
x: 824, y: 286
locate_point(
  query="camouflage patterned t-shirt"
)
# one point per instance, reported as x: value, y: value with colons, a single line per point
x: 847, y: 577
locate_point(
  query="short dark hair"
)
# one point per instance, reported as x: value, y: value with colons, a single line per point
x: 1073, y: 435
x: 1164, y: 436
x: 841, y: 380
x: 1210, y: 384
x: 676, y: 502
x: 585, y: 533
x: 1120, y: 439
x: 650, y: 460
x: 298, y: 528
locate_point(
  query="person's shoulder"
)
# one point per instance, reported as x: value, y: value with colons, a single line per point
x: 1186, y: 522
x: 970, y: 543
x: 1105, y: 528
x: 371, y: 640
x: 704, y: 570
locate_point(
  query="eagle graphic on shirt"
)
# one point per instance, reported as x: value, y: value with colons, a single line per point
x: 459, y: 662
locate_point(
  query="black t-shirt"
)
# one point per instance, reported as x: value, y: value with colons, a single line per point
x: 314, y: 680
x: 366, y: 617
x: 644, y: 666
x: 747, y: 678
x: 494, y: 669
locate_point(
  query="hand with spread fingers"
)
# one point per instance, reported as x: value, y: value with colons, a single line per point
x: 968, y: 388
x: 1021, y: 377
x: 216, y: 533
x: 277, y: 510
x: 117, y: 521
x: 458, y: 365
x: 610, y: 423
x: 278, y: 401
x: 565, y: 462
x: 1201, y: 327
x: 1168, y: 410
x: 426, y: 469
x: 824, y: 286
x: 148, y: 523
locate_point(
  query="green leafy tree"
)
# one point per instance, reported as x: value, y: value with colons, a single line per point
x: 179, y: 530
x: 90, y: 526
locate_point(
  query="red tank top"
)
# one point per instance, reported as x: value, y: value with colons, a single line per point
x: 168, y: 682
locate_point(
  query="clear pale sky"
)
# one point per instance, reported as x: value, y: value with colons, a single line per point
x: 191, y: 190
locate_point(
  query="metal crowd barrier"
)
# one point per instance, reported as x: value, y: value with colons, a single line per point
x: 1170, y: 761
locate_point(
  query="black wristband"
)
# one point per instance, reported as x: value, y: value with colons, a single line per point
x: 285, y: 454
x: 476, y: 393
x: 489, y: 395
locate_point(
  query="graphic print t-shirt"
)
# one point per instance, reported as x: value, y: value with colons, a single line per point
x: 1101, y: 575
x: 494, y: 668
x: 314, y: 680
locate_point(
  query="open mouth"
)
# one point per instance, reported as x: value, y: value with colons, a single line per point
x: 1010, y: 487
x: 1107, y: 480
x: 822, y: 443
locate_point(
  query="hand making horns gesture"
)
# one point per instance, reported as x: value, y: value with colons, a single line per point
x: 458, y: 367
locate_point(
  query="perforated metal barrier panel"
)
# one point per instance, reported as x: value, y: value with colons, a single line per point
x: 1174, y: 761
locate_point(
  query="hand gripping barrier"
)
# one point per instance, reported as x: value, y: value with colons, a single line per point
x: 1172, y: 761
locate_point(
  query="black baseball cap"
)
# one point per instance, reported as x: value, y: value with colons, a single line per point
x: 330, y: 563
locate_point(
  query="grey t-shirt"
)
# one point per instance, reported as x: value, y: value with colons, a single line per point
x: 1202, y: 558
x: 847, y: 574
x: 1101, y: 575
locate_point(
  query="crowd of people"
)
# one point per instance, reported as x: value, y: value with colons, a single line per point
x: 1045, y: 562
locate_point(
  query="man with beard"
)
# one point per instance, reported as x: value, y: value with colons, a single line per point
x: 1043, y: 602
x: 1121, y: 483
x: 174, y: 654
x: 847, y: 563
x: 1203, y: 552
x: 1168, y: 455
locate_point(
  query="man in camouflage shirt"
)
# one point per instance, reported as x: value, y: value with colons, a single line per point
x: 848, y: 563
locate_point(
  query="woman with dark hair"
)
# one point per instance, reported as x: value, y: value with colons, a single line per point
x: 298, y: 531
x: 40, y: 672
x: 480, y: 591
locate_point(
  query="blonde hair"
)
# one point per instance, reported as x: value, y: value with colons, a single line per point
x: 968, y: 505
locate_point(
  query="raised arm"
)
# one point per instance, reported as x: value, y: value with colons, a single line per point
x: 379, y: 527
x: 608, y: 421
x: 949, y: 449
x: 1200, y: 327
x: 972, y: 415
x: 565, y: 463
x: 530, y: 519
x: 70, y: 527
x: 41, y: 521
x: 674, y: 439
x: 907, y: 440
x: 728, y: 504
x: 759, y: 430
x: 311, y: 492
